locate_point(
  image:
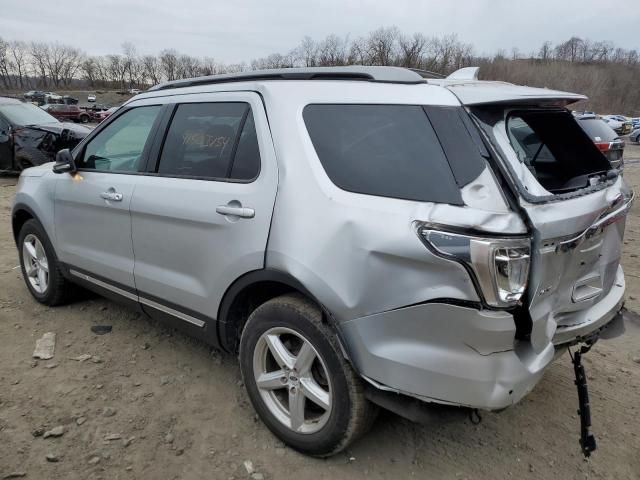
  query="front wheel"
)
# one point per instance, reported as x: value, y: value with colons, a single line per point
x: 40, y: 267
x: 298, y: 380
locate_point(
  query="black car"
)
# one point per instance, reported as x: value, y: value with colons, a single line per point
x: 604, y: 137
x: 29, y: 136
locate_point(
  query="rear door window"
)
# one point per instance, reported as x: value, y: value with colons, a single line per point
x: 383, y: 150
x: 204, y: 139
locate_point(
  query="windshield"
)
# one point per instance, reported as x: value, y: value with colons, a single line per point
x: 26, y: 114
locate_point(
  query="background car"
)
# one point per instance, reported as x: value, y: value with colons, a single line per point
x: 29, y: 136
x: 635, y: 136
x: 635, y: 122
x: 604, y: 137
x: 91, y: 98
x: 67, y: 112
x: 134, y: 91
x: 100, y: 115
x: 618, y: 123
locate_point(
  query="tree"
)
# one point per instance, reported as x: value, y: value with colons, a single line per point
x: 169, y: 63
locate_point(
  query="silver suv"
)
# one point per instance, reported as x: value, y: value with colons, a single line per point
x: 357, y: 235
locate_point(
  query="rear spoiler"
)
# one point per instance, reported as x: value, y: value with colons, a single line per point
x: 464, y: 84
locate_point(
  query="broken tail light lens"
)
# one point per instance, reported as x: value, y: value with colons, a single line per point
x: 499, y: 266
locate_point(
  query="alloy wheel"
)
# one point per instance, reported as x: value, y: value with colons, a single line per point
x: 292, y: 380
x: 36, y: 264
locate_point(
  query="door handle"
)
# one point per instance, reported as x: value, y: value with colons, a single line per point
x: 242, y: 212
x: 112, y: 196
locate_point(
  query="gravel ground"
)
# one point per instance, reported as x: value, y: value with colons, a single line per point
x: 152, y: 403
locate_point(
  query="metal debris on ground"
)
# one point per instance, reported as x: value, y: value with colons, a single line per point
x: 101, y: 329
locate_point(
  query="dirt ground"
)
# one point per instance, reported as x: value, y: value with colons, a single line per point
x: 152, y: 403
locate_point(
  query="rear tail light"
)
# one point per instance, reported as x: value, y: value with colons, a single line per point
x: 499, y: 266
x: 603, y: 146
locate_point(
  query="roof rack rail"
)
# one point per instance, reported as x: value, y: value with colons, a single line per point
x: 352, y: 72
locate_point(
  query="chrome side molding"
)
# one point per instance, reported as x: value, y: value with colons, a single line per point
x: 136, y: 298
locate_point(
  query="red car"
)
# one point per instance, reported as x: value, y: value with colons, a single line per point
x: 102, y: 114
x: 67, y: 112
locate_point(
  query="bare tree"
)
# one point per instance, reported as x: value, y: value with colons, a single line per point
x: 169, y: 62
x: 545, y: 51
x: 411, y: 50
x: 18, y: 61
x: 382, y: 45
x: 152, y: 68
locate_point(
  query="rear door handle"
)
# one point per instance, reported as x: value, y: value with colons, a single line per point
x: 112, y: 196
x: 242, y: 212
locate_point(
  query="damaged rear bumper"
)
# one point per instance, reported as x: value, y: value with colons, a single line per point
x: 589, y: 322
x: 446, y: 353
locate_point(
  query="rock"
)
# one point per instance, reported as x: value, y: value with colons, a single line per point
x: 129, y: 468
x: 81, y: 358
x: 165, y: 380
x: 94, y: 460
x: 99, y: 386
x: 80, y: 420
x: 169, y: 438
x: 625, y: 370
x: 14, y: 475
x: 52, y: 457
x: 146, y: 346
x: 611, y: 379
x: 34, y: 363
x: 108, y: 411
x: 96, y: 359
x: 257, y: 476
x: 113, y: 436
x: 51, y: 365
x: 179, y: 452
x: 45, y: 346
x: 128, y: 441
x: 636, y: 359
x: 248, y: 466
x: 54, y: 432
x: 38, y: 432
x: 137, y: 384
x: 531, y: 468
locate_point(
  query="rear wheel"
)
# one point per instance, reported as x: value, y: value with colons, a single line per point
x: 84, y: 118
x: 40, y: 267
x: 298, y: 380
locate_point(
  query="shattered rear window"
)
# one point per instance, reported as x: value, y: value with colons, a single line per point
x: 550, y: 145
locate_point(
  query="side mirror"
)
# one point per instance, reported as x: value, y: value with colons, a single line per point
x: 64, y: 162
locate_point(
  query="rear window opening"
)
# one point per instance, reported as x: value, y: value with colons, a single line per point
x: 550, y: 145
x: 555, y: 150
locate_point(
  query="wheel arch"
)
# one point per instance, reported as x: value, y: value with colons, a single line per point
x: 20, y: 214
x: 247, y: 293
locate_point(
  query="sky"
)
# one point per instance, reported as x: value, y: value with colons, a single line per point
x: 240, y: 30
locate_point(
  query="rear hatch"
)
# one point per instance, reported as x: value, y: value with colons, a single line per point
x: 575, y: 201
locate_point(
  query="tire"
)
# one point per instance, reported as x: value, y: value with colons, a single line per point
x: 297, y: 323
x: 84, y: 118
x: 57, y: 290
x: 30, y: 157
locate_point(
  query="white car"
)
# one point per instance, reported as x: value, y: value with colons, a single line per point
x: 134, y: 91
x: 91, y: 98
